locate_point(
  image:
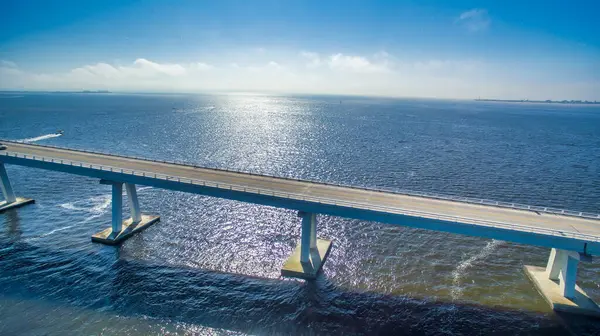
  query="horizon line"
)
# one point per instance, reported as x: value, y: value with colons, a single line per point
x: 272, y: 93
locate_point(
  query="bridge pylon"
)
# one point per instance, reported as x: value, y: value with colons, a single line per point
x: 11, y: 201
x: 557, y: 284
x: 123, y: 229
x: 310, y: 253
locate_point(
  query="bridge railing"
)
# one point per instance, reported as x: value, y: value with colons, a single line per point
x: 431, y: 195
x: 307, y: 198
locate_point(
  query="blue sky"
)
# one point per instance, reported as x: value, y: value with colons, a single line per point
x: 445, y: 49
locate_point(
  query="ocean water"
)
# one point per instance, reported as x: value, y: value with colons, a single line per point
x: 212, y: 266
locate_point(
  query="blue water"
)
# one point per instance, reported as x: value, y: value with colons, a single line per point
x: 212, y: 266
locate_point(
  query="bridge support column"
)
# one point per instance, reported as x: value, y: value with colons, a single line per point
x: 134, y: 204
x: 123, y: 229
x: 10, y: 199
x: 557, y: 284
x: 310, y: 254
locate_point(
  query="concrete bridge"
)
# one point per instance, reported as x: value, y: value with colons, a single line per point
x: 571, y: 236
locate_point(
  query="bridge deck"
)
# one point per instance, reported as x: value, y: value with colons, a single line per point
x: 586, y: 230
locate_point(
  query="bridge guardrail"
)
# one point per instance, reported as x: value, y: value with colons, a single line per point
x: 321, y: 200
x: 476, y: 201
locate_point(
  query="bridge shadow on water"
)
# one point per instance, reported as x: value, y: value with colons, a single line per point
x: 277, y: 306
x: 244, y: 303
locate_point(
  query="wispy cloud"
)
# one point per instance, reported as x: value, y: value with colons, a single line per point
x: 314, y: 60
x: 357, y: 64
x: 447, y: 66
x: 141, y: 68
x: 166, y: 68
x: 9, y: 68
x: 7, y: 64
x: 475, y: 20
x: 201, y: 66
x: 348, y: 63
x: 270, y: 67
x: 380, y: 73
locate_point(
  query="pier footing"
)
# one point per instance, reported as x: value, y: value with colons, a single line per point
x: 580, y: 303
x: 128, y: 229
x: 20, y: 201
x: 293, y: 267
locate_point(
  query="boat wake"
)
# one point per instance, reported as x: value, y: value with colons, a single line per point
x: 95, y: 207
x: 41, y: 137
x: 51, y: 232
x: 459, y: 271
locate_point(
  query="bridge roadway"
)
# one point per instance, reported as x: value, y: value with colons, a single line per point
x: 574, y: 233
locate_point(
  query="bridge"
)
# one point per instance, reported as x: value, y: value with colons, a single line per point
x: 571, y: 236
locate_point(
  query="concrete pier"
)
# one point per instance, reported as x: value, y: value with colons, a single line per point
x: 120, y: 229
x: 19, y: 202
x: 11, y: 201
x: 556, y: 284
x: 128, y: 228
x: 310, y: 253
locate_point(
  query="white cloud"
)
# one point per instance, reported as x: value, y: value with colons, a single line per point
x: 201, y: 66
x: 314, y: 60
x: 356, y: 64
x: 381, y: 74
x: 141, y: 68
x: 146, y: 66
x: 100, y: 69
x: 475, y: 20
x: 270, y: 67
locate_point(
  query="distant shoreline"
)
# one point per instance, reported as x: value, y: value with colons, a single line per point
x: 290, y: 94
x: 583, y: 102
x: 94, y: 91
